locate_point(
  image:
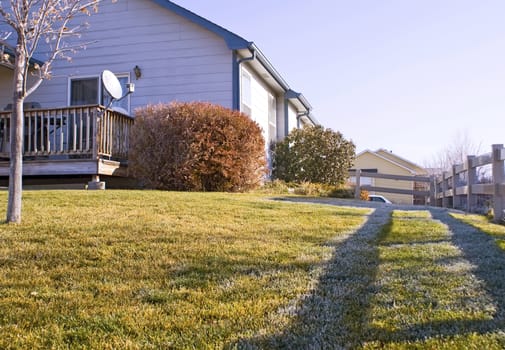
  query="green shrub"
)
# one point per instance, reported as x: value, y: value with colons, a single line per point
x: 274, y: 187
x: 196, y: 147
x: 306, y: 189
x: 342, y: 192
x: 313, y: 154
x: 311, y: 189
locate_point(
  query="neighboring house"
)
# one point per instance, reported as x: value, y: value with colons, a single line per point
x: 171, y: 54
x: 385, y: 162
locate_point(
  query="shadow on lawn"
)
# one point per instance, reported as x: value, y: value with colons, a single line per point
x: 335, y: 314
x: 481, y: 251
x: 336, y: 310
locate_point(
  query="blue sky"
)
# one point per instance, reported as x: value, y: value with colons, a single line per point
x: 405, y: 75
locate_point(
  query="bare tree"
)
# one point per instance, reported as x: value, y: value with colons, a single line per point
x: 455, y: 152
x: 53, y: 23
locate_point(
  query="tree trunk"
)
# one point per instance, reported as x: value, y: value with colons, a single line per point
x: 16, y: 140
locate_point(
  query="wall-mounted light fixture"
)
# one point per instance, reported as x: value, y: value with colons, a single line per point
x: 137, y: 71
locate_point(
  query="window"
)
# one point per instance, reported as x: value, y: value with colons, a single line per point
x: 246, y: 93
x: 272, y: 118
x: 85, y: 91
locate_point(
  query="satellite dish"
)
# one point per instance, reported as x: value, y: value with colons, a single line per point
x: 112, y: 85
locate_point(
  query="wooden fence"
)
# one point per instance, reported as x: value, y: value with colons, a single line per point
x: 474, y: 186
x: 429, y: 193
x: 461, y: 187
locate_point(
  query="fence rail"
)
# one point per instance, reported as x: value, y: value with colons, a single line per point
x: 414, y: 179
x: 461, y: 187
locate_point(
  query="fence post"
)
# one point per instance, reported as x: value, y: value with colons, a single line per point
x: 456, y: 200
x: 445, y: 200
x: 433, y: 191
x: 357, y: 190
x: 498, y: 179
x: 471, y: 199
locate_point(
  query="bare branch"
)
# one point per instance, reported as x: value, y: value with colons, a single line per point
x: 33, y: 21
x: 454, y: 153
x: 7, y: 18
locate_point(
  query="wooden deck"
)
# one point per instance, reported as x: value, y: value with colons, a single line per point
x: 77, y: 140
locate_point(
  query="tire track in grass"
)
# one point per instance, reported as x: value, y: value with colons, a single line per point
x: 481, y: 251
x: 332, y: 315
x: 433, y: 287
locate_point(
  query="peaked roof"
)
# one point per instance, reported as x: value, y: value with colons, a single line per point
x: 236, y: 42
x: 388, y: 154
x: 414, y: 170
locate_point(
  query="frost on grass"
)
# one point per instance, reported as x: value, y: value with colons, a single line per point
x: 432, y: 283
x: 333, y: 309
x: 440, y: 290
x: 458, y: 265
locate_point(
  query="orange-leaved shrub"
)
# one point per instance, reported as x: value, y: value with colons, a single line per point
x: 196, y: 147
x: 363, y: 195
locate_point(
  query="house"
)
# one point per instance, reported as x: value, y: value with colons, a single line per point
x: 386, y: 162
x: 171, y: 54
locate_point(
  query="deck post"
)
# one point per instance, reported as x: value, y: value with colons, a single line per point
x: 498, y: 180
x: 95, y: 183
x: 433, y: 191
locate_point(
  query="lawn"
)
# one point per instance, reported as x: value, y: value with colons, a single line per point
x: 483, y: 223
x: 427, y: 294
x: 140, y: 270
x: 151, y: 270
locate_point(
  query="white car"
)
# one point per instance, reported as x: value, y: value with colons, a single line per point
x: 378, y: 199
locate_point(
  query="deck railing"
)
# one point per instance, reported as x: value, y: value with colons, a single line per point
x: 71, y: 132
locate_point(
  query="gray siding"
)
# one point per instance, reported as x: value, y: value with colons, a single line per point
x: 180, y: 61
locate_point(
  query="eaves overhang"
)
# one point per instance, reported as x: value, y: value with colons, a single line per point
x: 313, y: 119
x: 269, y: 67
x: 298, y: 99
x: 274, y: 78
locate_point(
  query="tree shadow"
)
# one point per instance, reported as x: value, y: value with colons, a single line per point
x: 487, y: 263
x: 335, y: 311
x: 481, y: 250
x: 336, y: 314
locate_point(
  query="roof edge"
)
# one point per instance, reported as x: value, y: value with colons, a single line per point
x: 233, y: 41
x: 292, y: 94
x: 400, y: 157
x: 269, y: 66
